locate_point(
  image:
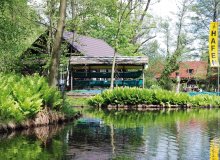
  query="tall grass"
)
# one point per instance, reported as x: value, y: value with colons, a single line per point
x: 135, y: 96
x: 23, y: 96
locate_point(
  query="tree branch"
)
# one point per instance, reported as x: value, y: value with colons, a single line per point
x: 149, y: 38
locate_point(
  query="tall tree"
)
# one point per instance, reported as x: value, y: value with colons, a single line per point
x: 55, y: 59
x: 171, y: 64
x: 18, y: 28
x: 166, y: 31
x: 121, y: 17
x: 51, y: 10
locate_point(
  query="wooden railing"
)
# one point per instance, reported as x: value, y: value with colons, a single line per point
x: 105, y: 83
x: 135, y: 74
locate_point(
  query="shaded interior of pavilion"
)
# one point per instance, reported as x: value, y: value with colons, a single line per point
x: 95, y: 72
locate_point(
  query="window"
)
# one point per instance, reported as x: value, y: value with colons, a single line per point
x: 190, y: 71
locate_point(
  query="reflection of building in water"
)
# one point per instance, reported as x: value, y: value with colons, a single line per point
x: 214, y: 150
x: 186, y: 137
x: 102, y: 141
x: 183, y: 140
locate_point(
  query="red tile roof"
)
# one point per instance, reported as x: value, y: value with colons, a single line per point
x: 89, y: 46
x: 198, y: 68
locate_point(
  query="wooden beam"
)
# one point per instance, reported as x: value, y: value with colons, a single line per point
x: 71, y: 80
x: 143, y: 77
x: 79, y: 67
x: 122, y: 60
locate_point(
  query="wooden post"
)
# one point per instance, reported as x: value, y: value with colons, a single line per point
x: 123, y: 75
x: 112, y: 138
x: 71, y: 80
x: 143, y: 77
x: 178, y: 82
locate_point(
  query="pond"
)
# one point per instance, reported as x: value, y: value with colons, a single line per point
x: 102, y: 134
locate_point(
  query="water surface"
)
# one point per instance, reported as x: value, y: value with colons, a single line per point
x: 163, y: 135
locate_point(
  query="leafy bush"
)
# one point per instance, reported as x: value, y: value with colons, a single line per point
x: 67, y: 108
x: 22, y: 97
x: 205, y: 100
x: 96, y: 101
x: 134, y: 96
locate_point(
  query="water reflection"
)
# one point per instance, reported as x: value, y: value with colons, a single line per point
x: 162, y: 135
x: 38, y: 143
x: 106, y: 134
x: 214, y: 149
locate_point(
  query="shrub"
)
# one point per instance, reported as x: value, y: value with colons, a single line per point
x: 134, y: 96
x: 22, y: 97
x: 96, y: 101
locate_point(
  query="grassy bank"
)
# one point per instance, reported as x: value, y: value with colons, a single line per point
x: 22, y: 97
x: 79, y: 102
x: 136, y: 96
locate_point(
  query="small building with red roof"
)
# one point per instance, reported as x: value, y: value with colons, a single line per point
x: 191, y: 70
x: 191, y: 73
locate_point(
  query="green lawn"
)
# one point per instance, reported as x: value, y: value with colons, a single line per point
x: 78, y: 102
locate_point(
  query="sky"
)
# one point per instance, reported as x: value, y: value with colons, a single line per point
x: 164, y: 8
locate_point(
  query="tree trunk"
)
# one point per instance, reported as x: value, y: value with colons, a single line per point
x: 55, y: 59
x: 120, y: 19
x: 113, y: 70
x: 51, y: 8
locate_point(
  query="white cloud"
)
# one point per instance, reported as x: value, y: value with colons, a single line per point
x: 165, y: 8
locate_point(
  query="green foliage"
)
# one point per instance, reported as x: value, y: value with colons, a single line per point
x: 78, y: 101
x: 181, y: 44
x: 18, y: 30
x: 165, y: 82
x: 22, y: 97
x: 135, y: 96
x: 67, y: 108
x: 204, y: 100
x: 26, y: 148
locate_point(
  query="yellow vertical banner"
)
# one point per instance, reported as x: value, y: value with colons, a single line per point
x: 214, y: 150
x: 213, y: 44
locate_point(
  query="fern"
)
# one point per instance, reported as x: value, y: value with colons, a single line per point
x: 24, y: 96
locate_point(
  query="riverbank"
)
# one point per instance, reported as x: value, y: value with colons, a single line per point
x: 132, y: 98
x: 28, y: 101
x: 43, y: 118
x: 145, y: 107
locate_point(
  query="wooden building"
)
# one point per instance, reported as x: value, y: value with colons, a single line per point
x: 96, y: 71
x: 90, y: 62
x: 92, y: 67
